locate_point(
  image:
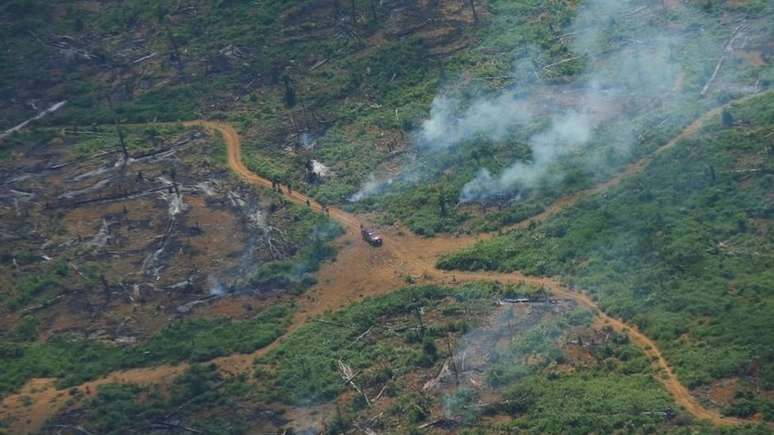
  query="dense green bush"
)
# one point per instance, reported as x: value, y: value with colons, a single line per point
x: 32, y: 287
x: 587, y: 402
x: 74, y: 360
x: 201, y: 390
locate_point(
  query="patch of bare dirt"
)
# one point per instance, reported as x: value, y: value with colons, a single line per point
x: 721, y: 393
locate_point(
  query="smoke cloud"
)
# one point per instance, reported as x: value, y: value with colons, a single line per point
x: 633, y: 59
x: 491, y: 117
x: 567, y: 133
x: 643, y: 69
x: 371, y: 187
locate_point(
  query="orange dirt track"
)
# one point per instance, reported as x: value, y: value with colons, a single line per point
x: 359, y: 271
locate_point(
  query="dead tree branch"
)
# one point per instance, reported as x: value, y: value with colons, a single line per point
x: 348, y: 375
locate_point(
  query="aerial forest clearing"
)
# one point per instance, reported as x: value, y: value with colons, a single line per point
x: 361, y: 270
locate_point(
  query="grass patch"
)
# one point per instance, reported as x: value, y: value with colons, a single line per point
x: 75, y: 360
x: 204, y: 401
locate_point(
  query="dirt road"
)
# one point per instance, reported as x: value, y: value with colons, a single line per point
x: 410, y: 248
x: 361, y: 271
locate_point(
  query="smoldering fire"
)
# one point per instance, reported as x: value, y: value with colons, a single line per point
x: 629, y: 53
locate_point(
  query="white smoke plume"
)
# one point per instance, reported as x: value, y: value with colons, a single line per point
x: 491, y: 117
x: 633, y: 52
x: 644, y: 69
x: 372, y: 186
x: 567, y: 133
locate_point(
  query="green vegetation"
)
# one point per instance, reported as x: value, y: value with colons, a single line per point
x: 540, y: 43
x: 74, y: 360
x: 544, y: 385
x: 587, y: 401
x: 431, y: 207
x: 236, y: 56
x: 240, y: 60
x: 98, y: 140
x: 683, y: 250
x: 552, y: 390
x: 201, y: 397
x: 138, y: 138
x: 303, y: 368
x: 36, y: 286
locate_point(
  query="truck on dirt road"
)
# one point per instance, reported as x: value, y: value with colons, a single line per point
x: 371, y: 237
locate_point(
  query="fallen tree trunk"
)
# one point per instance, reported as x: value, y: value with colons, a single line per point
x: 116, y: 197
x: 348, y: 375
x: 729, y: 48
x: 42, y: 305
x: 16, y: 128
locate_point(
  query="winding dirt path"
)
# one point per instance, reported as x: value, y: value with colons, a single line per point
x: 361, y: 271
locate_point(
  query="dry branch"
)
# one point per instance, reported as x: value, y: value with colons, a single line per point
x: 328, y: 322
x: 363, y: 334
x: 569, y: 59
x: 144, y: 58
x: 348, y: 375
x: 379, y: 395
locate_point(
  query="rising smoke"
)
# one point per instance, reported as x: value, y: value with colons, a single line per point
x: 645, y: 69
x: 632, y: 55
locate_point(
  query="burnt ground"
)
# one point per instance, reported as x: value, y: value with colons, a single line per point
x: 112, y: 250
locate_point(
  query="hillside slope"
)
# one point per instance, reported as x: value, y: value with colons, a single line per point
x: 683, y: 250
x: 574, y: 197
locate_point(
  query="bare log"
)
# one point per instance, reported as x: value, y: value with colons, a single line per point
x: 42, y: 305
x: 729, y: 48
x: 363, y: 334
x: 569, y: 59
x: 144, y: 58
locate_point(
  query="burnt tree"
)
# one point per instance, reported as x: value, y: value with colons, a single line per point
x: 473, y: 9
x: 290, y: 93
x: 119, y: 132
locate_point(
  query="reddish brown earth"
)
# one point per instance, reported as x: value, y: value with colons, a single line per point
x: 360, y: 271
